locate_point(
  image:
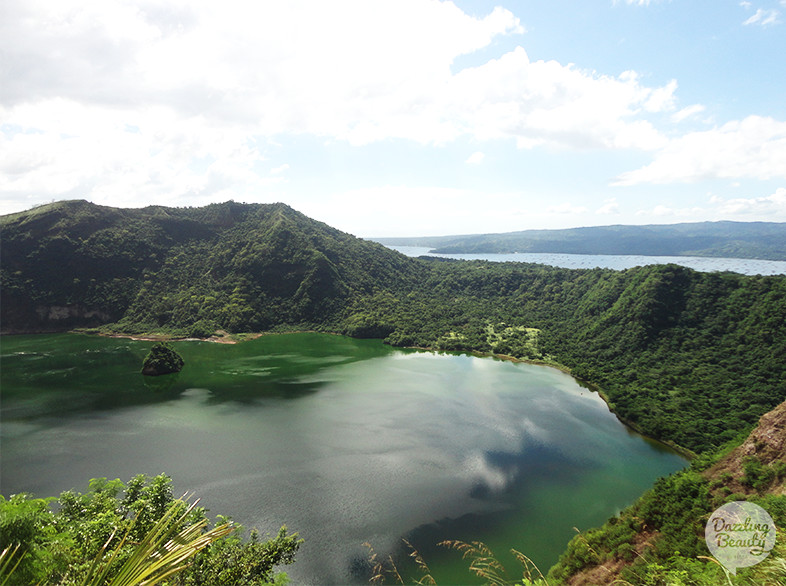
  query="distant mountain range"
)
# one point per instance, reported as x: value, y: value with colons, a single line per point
x: 762, y: 240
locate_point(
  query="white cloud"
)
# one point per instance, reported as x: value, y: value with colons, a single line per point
x: 763, y: 17
x: 610, y: 206
x: 663, y: 211
x: 637, y: 2
x: 770, y: 207
x: 169, y: 99
x: 687, y: 112
x: 400, y: 210
x: 545, y: 102
x: 424, y: 210
x: 661, y: 99
x: 475, y: 158
x: 566, y: 208
x: 754, y: 147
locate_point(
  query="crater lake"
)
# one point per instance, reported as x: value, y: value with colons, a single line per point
x: 345, y: 441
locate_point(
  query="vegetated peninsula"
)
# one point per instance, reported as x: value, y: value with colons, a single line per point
x: 687, y: 357
x: 762, y: 240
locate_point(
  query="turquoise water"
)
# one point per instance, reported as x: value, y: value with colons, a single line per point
x: 346, y: 441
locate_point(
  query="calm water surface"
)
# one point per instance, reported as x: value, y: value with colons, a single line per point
x: 706, y: 264
x: 344, y: 440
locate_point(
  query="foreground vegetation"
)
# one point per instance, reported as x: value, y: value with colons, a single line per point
x: 134, y: 533
x: 137, y: 533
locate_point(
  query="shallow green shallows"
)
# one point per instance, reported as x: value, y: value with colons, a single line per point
x: 343, y: 440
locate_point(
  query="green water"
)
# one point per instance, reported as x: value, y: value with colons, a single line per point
x: 345, y: 441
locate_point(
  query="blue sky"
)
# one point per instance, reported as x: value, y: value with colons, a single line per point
x: 401, y: 117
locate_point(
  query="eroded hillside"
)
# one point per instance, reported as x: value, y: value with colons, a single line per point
x: 660, y: 539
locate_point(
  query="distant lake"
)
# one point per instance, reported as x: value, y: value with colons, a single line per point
x: 343, y: 440
x: 745, y: 266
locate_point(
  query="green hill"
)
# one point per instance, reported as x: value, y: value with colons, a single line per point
x: 238, y: 267
x: 764, y: 240
x: 692, y: 358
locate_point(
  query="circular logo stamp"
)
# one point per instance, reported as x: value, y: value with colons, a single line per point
x: 740, y: 534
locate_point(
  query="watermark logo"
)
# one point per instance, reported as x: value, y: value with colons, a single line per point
x: 740, y: 534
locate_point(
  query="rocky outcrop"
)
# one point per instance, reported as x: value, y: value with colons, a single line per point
x: 58, y: 313
x: 37, y: 319
x: 162, y: 359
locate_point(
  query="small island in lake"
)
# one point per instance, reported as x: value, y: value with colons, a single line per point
x: 162, y: 359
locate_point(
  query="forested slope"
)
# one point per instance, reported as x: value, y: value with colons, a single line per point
x: 689, y: 357
x: 235, y: 266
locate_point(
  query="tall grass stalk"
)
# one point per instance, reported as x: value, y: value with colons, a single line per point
x: 483, y: 563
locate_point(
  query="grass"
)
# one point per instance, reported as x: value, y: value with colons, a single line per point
x: 482, y: 562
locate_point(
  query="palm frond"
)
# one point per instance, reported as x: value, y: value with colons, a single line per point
x: 10, y: 555
x: 161, y: 553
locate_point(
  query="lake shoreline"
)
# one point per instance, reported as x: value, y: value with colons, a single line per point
x: 227, y: 338
x: 239, y: 338
x: 685, y: 452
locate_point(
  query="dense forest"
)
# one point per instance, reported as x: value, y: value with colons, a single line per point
x: 694, y: 359
x: 765, y: 240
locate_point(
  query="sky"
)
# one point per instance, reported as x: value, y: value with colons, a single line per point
x: 401, y: 117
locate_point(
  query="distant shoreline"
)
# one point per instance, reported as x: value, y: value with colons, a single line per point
x: 617, y: 262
